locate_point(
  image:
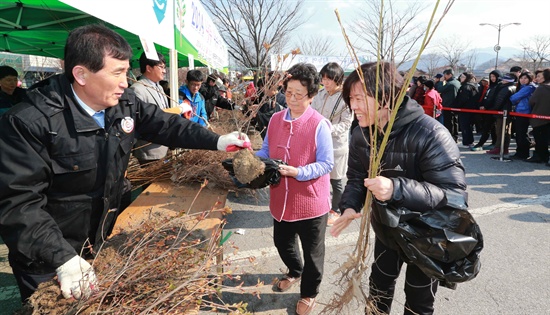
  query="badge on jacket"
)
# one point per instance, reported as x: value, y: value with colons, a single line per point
x: 127, y: 124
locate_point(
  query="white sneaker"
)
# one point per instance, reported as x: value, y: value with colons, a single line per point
x: 332, y: 217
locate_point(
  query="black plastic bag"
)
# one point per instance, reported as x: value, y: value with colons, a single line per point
x: 271, y: 175
x: 445, y: 243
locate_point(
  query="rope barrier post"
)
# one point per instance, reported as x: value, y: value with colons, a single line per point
x: 502, y: 139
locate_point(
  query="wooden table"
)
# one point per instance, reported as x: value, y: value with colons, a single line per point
x: 165, y: 199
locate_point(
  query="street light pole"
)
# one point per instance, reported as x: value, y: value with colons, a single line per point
x: 499, y: 28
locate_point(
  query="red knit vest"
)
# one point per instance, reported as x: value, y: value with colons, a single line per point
x: 295, y: 143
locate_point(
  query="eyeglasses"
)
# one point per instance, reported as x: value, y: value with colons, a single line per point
x: 162, y: 67
x: 298, y: 97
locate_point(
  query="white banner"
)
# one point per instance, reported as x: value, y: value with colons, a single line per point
x: 150, y: 19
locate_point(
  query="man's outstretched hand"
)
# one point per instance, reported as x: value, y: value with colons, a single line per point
x: 233, y: 142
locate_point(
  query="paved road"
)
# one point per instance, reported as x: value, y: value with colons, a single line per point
x: 510, y: 200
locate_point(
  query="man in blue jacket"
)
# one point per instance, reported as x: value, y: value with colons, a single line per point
x: 192, y: 97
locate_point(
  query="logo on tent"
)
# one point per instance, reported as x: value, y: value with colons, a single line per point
x: 160, y: 9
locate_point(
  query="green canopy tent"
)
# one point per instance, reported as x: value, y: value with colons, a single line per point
x: 41, y: 27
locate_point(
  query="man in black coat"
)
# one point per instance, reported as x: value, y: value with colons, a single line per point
x: 503, y: 91
x: 64, y: 154
x: 209, y: 90
x: 420, y: 170
x: 448, y: 94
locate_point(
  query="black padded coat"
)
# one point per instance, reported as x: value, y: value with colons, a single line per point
x: 61, y: 175
x: 421, y: 159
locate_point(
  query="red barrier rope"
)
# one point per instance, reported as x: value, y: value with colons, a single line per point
x: 491, y: 112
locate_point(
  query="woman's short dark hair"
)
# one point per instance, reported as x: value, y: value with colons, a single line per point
x: 89, y: 45
x: 144, y: 61
x: 429, y: 84
x: 529, y: 76
x: 333, y: 71
x: 306, y: 73
x: 389, y: 84
x: 468, y: 77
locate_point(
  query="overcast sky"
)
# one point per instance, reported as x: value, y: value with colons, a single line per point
x: 463, y: 20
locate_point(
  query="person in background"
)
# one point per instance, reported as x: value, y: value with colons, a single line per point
x: 448, y: 94
x: 467, y: 98
x: 420, y: 167
x: 539, y: 102
x: 192, y: 97
x: 412, y: 87
x: 209, y: 91
x: 10, y: 93
x: 517, y: 71
x: 269, y: 105
x: 222, y: 101
x: 521, y: 102
x: 299, y: 204
x: 65, y: 150
x: 432, y: 101
x: 419, y: 92
x: 276, y: 77
x: 330, y: 104
x: 488, y: 121
x: 166, y: 88
x: 483, y: 86
x: 228, y: 92
x: 250, y: 93
x: 505, y: 89
x: 438, y: 83
x: 148, y: 89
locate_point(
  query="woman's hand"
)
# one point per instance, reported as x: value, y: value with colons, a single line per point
x: 381, y: 187
x: 343, y: 221
x: 287, y: 170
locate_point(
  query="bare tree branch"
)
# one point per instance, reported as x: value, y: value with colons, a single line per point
x: 316, y: 46
x: 431, y: 62
x: 452, y: 48
x: 253, y: 28
x: 400, y: 32
x: 536, y: 49
x: 470, y: 60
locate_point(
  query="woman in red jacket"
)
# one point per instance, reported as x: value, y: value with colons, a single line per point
x: 432, y: 101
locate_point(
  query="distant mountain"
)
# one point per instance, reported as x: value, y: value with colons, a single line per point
x: 485, y: 57
x: 488, y: 54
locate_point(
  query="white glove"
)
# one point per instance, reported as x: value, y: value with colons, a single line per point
x: 185, y: 108
x: 76, y: 278
x: 233, y: 141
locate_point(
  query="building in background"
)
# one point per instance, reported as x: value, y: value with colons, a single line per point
x: 32, y: 69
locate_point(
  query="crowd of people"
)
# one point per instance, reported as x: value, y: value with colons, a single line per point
x: 67, y: 142
x: 518, y: 91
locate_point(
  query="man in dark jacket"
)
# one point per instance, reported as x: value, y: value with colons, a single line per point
x: 503, y: 91
x: 210, y: 92
x: 421, y: 168
x: 64, y: 154
x: 448, y: 94
x: 467, y: 98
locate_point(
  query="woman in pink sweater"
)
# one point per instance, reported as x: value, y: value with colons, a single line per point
x: 300, y: 203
